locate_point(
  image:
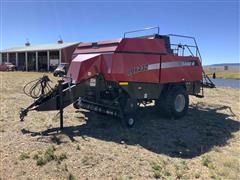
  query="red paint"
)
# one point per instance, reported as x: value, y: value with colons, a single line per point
x: 127, y: 59
x: 180, y: 74
x: 66, y: 54
x: 124, y: 63
x: 142, y: 45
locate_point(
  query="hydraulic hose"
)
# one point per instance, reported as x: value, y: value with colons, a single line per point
x: 37, y: 87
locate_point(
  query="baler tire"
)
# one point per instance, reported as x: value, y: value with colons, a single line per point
x: 129, y: 112
x: 129, y: 120
x: 168, y: 106
x: 75, y: 105
x: 160, y: 103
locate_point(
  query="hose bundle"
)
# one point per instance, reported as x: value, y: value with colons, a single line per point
x: 37, y: 87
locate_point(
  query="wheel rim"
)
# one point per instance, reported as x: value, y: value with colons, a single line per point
x: 130, y: 121
x: 179, y: 103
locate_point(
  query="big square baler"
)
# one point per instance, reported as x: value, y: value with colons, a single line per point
x: 115, y: 77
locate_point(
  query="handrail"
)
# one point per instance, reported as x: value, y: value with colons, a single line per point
x: 208, y: 82
x: 185, y: 45
x: 190, y: 50
x: 144, y: 29
x: 190, y: 37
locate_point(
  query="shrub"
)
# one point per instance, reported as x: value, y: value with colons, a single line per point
x: 206, y: 161
x: 70, y: 176
x: 156, y: 170
x: 156, y: 166
x: 179, y: 174
x: 41, y: 161
x: 35, y: 157
x: 24, y: 156
x: 167, y: 173
x: 157, y: 174
x: 49, y: 155
x: 197, y: 175
x: 61, y: 157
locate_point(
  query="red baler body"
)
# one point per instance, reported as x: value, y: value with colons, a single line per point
x: 133, y: 60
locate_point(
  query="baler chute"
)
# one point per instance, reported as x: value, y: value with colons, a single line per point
x: 115, y: 77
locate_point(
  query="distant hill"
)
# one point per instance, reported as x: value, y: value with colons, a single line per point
x: 224, y: 70
x: 225, y: 64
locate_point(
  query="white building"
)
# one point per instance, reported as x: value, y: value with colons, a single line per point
x: 42, y: 57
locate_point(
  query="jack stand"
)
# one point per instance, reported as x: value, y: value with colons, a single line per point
x: 61, y: 103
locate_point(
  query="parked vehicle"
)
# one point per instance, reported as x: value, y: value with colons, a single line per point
x: 61, y: 70
x: 7, y: 66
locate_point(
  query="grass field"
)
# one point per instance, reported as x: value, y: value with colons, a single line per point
x: 203, y: 145
x: 225, y: 74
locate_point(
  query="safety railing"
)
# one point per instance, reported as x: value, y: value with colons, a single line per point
x: 206, y: 82
x: 144, y: 29
x: 186, y: 46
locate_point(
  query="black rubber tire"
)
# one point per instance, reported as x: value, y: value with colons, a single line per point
x: 159, y: 104
x: 75, y: 105
x: 166, y: 102
x: 129, y: 120
x: 130, y: 111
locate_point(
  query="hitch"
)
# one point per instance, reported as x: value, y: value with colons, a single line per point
x: 41, y: 99
x: 57, y: 98
x: 39, y: 87
x: 23, y: 113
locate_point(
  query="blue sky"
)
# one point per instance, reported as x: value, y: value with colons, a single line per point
x: 215, y: 24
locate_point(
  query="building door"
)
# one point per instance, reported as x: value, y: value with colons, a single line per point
x: 31, y: 61
x: 12, y: 58
x: 42, y: 61
x: 54, y: 60
x: 21, y: 62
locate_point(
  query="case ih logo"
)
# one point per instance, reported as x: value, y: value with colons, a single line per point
x: 137, y: 69
x: 164, y: 65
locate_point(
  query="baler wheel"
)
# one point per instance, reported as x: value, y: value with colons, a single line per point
x: 174, y: 103
x: 75, y: 105
x: 129, y: 120
x: 129, y: 113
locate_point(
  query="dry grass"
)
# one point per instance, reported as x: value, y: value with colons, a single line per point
x: 202, y: 145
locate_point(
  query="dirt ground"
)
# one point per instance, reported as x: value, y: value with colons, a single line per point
x: 203, y: 145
